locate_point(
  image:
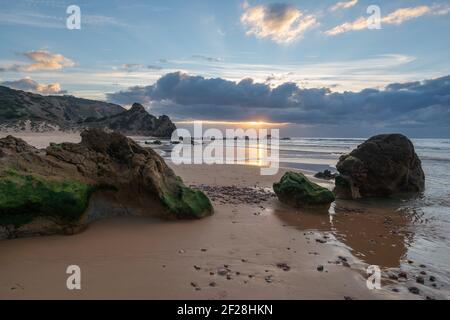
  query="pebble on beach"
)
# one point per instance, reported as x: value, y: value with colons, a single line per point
x: 414, y: 290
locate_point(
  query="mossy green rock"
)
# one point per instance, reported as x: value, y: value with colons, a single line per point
x: 25, y: 197
x: 296, y: 190
x: 187, y: 203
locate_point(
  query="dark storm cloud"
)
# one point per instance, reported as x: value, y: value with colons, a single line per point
x: 425, y: 103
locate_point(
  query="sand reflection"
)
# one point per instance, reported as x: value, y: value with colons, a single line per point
x: 376, y: 235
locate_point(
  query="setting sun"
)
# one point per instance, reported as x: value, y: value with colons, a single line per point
x: 237, y: 123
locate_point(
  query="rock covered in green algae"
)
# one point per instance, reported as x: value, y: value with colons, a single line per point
x: 187, y: 202
x: 296, y: 190
x: 145, y: 170
x: 58, y: 182
x: 25, y: 196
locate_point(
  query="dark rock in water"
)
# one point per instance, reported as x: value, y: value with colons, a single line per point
x: 49, y: 192
x: 157, y: 142
x: 296, y: 190
x: 325, y: 175
x: 382, y: 166
x: 285, y: 139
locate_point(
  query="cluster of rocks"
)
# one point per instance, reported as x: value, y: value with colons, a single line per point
x: 226, y: 272
x: 383, y: 166
x: 421, y: 278
x: 236, y: 195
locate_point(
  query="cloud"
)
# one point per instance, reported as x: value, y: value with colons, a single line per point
x: 101, y: 21
x: 441, y: 9
x: 404, y: 14
x: 27, y: 84
x: 396, y: 17
x: 419, y: 104
x: 45, y: 60
x: 13, y: 67
x: 154, y: 67
x: 130, y: 67
x: 40, y: 60
x: 344, y: 5
x: 359, y: 24
x: 39, y: 20
x: 32, y: 19
x: 206, y: 58
x: 279, y: 22
x: 137, y: 67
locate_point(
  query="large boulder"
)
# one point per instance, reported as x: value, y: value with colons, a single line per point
x: 296, y: 190
x: 58, y: 182
x: 382, y: 166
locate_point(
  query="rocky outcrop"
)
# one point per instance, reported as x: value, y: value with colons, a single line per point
x: 382, y: 166
x: 25, y: 111
x: 296, y: 190
x: 53, y: 187
x: 136, y: 121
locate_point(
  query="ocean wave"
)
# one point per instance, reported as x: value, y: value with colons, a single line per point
x: 427, y: 158
x: 424, y: 148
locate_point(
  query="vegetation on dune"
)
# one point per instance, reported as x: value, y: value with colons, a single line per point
x: 24, y: 197
x: 12, y: 111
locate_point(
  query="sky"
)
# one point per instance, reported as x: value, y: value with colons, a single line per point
x: 326, y: 68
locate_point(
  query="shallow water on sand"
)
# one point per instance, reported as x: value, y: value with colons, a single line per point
x: 396, y: 233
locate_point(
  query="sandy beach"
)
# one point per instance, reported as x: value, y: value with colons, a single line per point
x: 253, y: 247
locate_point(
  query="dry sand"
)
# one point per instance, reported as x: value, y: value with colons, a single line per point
x: 43, y: 140
x: 249, y: 249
